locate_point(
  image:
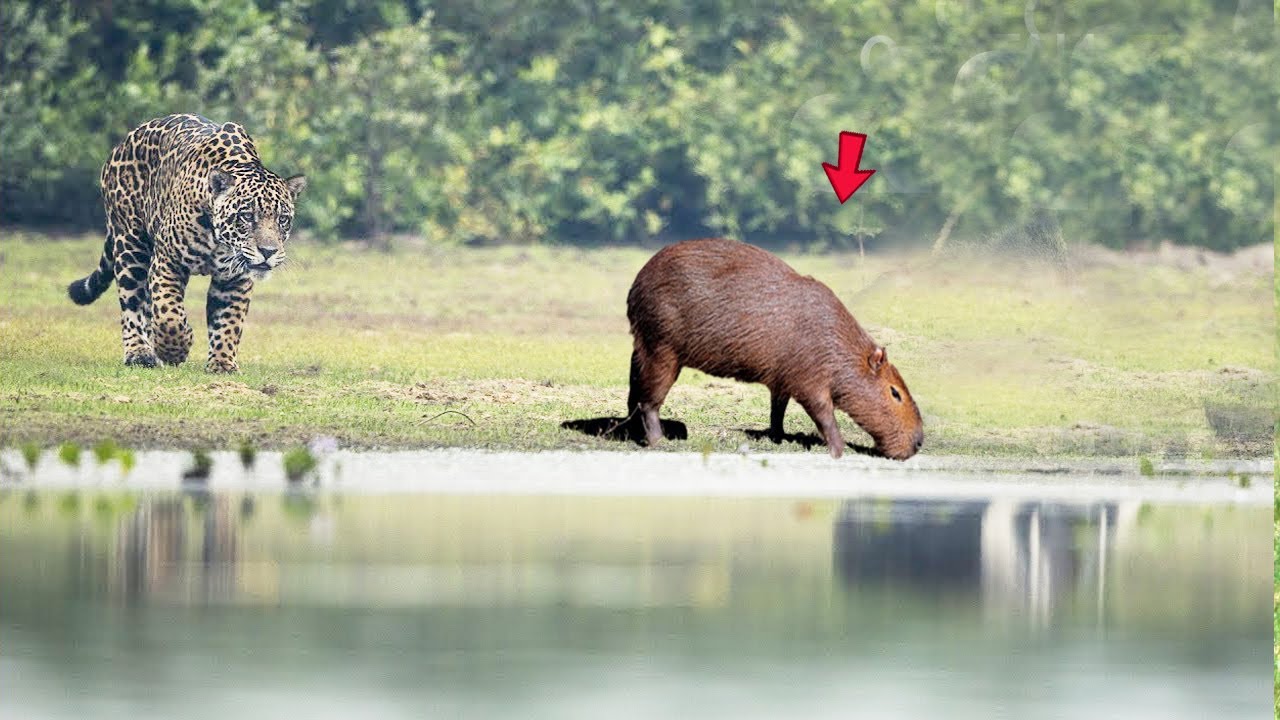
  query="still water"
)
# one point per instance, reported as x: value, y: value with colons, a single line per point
x: 244, y: 602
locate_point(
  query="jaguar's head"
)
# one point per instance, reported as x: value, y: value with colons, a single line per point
x: 251, y: 210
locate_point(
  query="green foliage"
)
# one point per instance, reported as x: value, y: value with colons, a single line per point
x: 523, y: 122
x: 69, y: 503
x: 69, y: 453
x: 30, y: 454
x: 105, y: 450
x: 127, y: 460
x: 298, y: 462
x: 1146, y: 468
x: 248, y: 454
x: 201, y: 466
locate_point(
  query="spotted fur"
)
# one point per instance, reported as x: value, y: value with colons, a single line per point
x: 186, y: 196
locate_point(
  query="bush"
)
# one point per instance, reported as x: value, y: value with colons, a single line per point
x: 616, y: 122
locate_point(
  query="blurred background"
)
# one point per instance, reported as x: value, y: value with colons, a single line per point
x: 558, y: 121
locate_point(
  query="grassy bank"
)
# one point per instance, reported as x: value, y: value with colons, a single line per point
x: 1163, y: 354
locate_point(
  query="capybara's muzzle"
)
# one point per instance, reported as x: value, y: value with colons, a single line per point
x: 906, y: 449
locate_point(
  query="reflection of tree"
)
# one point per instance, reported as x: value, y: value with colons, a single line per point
x: 159, y: 555
x: 1017, y: 557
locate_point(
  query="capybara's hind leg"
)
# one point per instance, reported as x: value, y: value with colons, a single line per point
x: 823, y: 412
x: 777, y: 412
x: 652, y: 375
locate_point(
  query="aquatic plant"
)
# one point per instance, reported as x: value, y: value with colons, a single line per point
x: 247, y: 507
x: 298, y: 462
x: 69, y: 453
x: 127, y: 460
x: 705, y: 447
x: 298, y: 504
x: 69, y: 503
x: 105, y: 450
x: 30, y: 454
x: 248, y: 454
x: 1146, y: 468
x: 201, y: 466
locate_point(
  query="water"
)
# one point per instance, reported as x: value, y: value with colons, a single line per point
x: 242, y: 599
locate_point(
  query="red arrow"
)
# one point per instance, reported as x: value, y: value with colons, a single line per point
x: 845, y: 176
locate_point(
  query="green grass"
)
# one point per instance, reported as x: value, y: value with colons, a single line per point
x: 298, y: 462
x: 1118, y: 357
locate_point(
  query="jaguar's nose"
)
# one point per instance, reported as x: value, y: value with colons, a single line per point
x: 267, y: 252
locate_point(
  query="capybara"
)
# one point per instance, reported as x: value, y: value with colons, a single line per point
x: 733, y: 310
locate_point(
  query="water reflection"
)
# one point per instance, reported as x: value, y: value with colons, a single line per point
x: 119, y: 606
x: 182, y: 549
x: 1015, y: 558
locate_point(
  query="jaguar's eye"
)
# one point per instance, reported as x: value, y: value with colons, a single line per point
x: 284, y: 221
x: 245, y: 217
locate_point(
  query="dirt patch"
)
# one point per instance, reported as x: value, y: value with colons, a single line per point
x: 464, y: 392
x: 216, y: 390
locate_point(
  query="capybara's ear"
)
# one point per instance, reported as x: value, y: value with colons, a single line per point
x: 877, y: 359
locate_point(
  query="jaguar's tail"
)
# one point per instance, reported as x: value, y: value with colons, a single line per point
x: 87, y: 289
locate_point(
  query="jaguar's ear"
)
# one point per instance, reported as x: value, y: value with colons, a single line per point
x: 219, y: 182
x: 297, y: 184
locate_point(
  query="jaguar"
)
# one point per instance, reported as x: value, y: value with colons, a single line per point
x: 187, y: 196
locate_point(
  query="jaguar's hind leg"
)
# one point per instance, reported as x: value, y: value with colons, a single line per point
x: 132, y: 263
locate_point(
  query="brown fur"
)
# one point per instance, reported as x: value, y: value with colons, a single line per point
x: 733, y: 310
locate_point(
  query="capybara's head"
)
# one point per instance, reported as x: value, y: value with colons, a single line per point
x: 883, y: 407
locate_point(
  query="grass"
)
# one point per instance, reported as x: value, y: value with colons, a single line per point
x: 298, y: 462
x: 1120, y: 356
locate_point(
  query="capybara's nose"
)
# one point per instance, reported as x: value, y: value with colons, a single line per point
x: 919, y: 440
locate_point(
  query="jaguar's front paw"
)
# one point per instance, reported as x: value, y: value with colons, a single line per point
x: 171, y: 355
x: 142, y: 358
x: 172, y: 342
x: 221, y: 365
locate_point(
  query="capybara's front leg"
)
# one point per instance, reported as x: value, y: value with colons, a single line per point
x: 777, y: 413
x: 824, y: 416
x: 652, y: 375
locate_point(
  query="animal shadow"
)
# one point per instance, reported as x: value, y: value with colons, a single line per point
x: 619, y: 429
x: 807, y: 440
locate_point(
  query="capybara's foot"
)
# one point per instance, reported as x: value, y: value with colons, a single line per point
x: 142, y: 358
x: 216, y: 365
x: 652, y: 427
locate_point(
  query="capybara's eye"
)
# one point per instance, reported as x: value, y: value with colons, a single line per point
x: 896, y: 396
